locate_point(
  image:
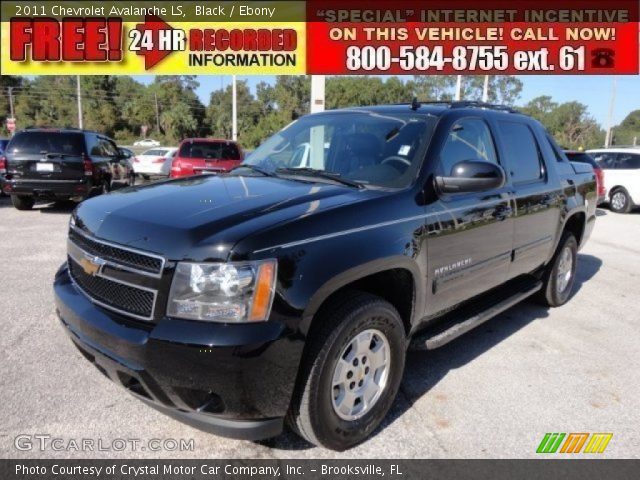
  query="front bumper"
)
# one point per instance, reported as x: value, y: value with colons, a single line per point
x: 231, y: 380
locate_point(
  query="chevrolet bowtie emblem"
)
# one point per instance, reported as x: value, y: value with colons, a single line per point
x: 91, y: 265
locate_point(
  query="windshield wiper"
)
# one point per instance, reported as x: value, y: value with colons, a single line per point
x: 253, y: 168
x: 314, y: 172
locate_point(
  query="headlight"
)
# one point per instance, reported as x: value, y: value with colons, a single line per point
x: 223, y: 292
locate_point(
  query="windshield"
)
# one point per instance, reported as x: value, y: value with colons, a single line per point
x: 369, y: 148
x: 210, y: 150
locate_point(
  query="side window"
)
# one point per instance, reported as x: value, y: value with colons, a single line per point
x: 108, y: 149
x: 628, y: 161
x: 522, y: 151
x: 606, y: 160
x: 469, y: 139
x: 557, y: 152
x: 93, y: 146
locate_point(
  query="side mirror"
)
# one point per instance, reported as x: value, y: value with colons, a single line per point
x: 472, y: 176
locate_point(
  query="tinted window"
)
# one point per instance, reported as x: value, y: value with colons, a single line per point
x: 606, y: 160
x: 582, y: 158
x: 628, y: 161
x: 557, y: 151
x: 125, y: 152
x: 210, y: 150
x: 366, y: 147
x: 108, y: 148
x: 158, y: 152
x: 522, y: 152
x: 47, y: 142
x: 469, y: 139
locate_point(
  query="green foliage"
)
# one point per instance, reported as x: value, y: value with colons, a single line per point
x: 569, y: 122
x: 171, y: 110
x: 628, y: 132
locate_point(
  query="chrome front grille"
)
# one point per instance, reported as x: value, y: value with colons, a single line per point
x: 96, y: 269
x: 125, y: 257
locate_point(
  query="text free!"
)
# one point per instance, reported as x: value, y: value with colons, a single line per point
x: 95, y: 39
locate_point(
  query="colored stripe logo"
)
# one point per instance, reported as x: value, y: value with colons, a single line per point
x: 574, y: 442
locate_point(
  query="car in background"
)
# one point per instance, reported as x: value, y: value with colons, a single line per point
x: 583, y: 157
x: 146, y: 142
x: 3, y: 145
x: 621, y: 167
x: 61, y: 164
x: 205, y: 155
x: 154, y: 162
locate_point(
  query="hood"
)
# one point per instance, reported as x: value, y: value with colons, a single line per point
x: 203, y: 217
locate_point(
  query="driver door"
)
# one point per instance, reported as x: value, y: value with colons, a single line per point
x: 471, y: 239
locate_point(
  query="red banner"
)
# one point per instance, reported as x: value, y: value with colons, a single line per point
x: 456, y: 37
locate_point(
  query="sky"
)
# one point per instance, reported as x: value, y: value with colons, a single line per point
x: 592, y: 90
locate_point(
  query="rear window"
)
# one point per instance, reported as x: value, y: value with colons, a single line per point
x: 156, y: 151
x: 47, y: 142
x: 217, y: 150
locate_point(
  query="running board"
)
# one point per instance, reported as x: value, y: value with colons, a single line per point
x: 469, y: 317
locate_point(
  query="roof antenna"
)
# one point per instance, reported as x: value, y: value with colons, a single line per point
x: 415, y: 104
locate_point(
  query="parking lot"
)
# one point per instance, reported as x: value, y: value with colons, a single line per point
x: 492, y: 393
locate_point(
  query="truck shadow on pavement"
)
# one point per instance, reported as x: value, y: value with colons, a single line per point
x: 425, y: 369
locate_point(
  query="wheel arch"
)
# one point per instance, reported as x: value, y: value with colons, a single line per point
x: 395, y: 279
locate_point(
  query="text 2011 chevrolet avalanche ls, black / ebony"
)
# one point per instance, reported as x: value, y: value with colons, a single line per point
x: 277, y: 293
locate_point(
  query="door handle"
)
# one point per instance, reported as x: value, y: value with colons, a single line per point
x: 502, y: 211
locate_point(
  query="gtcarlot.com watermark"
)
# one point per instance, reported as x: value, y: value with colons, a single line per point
x: 47, y: 443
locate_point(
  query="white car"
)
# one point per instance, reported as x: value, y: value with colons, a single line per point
x: 146, y: 142
x: 621, y: 167
x: 154, y: 162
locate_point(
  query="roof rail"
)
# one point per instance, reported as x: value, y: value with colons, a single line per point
x: 478, y: 104
x: 465, y: 104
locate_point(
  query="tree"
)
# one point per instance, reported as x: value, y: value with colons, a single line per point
x: 433, y: 87
x: 503, y: 89
x: 218, y: 115
x: 178, y: 122
x: 569, y: 122
x: 628, y: 132
x: 362, y: 91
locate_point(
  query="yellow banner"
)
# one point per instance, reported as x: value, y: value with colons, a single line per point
x: 43, y: 43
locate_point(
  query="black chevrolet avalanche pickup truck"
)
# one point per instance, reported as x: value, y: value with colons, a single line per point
x: 288, y: 291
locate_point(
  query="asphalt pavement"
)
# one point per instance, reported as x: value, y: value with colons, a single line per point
x: 492, y: 393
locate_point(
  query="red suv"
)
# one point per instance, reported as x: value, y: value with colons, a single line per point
x: 202, y: 155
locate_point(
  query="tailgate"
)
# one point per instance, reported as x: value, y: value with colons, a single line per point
x: 46, y: 155
x: 44, y: 167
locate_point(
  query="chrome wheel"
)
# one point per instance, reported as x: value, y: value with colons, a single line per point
x: 618, y: 201
x: 361, y: 374
x: 565, y: 270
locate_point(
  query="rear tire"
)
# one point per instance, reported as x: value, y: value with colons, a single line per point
x: 23, y: 202
x: 559, y: 276
x: 350, y: 373
x: 620, y: 201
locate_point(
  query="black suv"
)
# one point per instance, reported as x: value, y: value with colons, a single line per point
x: 275, y: 292
x: 59, y: 164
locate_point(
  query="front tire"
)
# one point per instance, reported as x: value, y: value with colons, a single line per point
x: 620, y: 201
x: 560, y: 274
x: 23, y: 202
x: 350, y: 373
